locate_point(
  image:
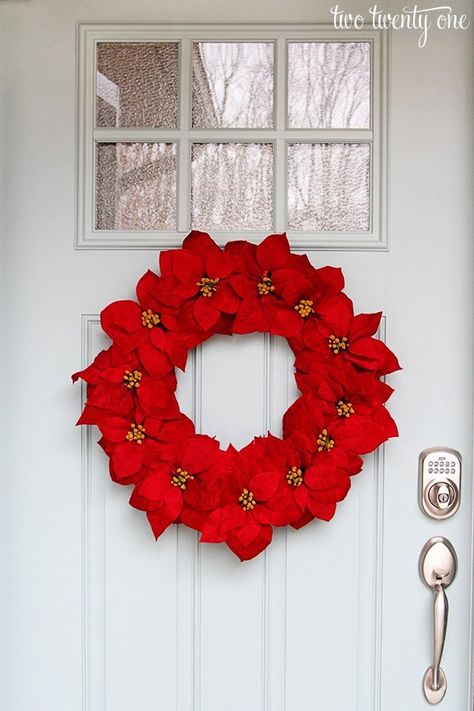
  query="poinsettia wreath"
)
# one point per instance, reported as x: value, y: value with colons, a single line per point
x: 180, y: 476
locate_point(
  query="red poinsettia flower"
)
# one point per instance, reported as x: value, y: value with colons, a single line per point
x: 149, y: 326
x: 140, y: 442
x: 314, y: 484
x: 257, y: 268
x: 253, y: 504
x: 337, y: 381
x: 164, y: 488
x: 301, y: 293
x: 334, y: 431
x: 200, y: 274
x: 338, y: 333
x: 117, y: 381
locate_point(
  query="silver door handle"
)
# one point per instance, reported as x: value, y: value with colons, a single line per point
x: 440, y: 610
x: 438, y: 566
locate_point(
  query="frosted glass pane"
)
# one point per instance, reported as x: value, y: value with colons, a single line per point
x: 329, y: 85
x: 137, y: 84
x: 328, y: 187
x: 232, y: 186
x: 136, y: 186
x: 232, y: 84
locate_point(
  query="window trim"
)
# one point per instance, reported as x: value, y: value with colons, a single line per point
x: 89, y: 35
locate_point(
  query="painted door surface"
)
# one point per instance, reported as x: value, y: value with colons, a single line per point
x: 97, y: 616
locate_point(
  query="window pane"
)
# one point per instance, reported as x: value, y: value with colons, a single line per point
x: 232, y: 186
x: 136, y: 186
x: 329, y: 84
x: 328, y: 187
x: 137, y: 84
x: 232, y: 84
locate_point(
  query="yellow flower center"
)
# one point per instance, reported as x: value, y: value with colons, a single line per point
x: 247, y: 500
x: 305, y: 308
x: 338, y: 343
x: 207, y: 286
x: 150, y: 319
x: 294, y: 476
x: 131, y: 379
x: 344, y: 409
x: 180, y: 478
x: 136, y: 433
x: 265, y: 285
x: 325, y: 442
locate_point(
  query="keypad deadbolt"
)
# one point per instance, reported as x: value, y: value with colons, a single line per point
x: 440, y: 481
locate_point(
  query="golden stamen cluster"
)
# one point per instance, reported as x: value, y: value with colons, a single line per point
x: 325, y: 442
x: 180, y: 478
x: 150, y: 319
x: 294, y: 476
x: 305, y: 308
x: 337, y: 343
x: 247, y: 500
x: 136, y: 433
x: 131, y: 379
x: 344, y: 409
x: 207, y: 286
x: 265, y: 286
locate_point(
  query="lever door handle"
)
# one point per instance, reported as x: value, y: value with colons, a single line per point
x: 440, y: 610
x: 438, y: 566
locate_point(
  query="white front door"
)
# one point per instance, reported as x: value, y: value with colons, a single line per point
x: 96, y: 615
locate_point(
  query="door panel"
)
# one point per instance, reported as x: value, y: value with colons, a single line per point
x: 96, y: 616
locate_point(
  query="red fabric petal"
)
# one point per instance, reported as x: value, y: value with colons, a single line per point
x: 264, y: 484
x: 250, y: 317
x: 205, y: 314
x: 364, y: 434
x: 153, y: 486
x: 286, y: 322
x: 159, y: 521
x: 199, y: 453
x: 225, y: 299
x: 307, y: 517
x: 292, y: 285
x: 371, y: 354
x: 245, y: 551
x: 154, y: 395
x: 364, y: 325
x: 187, y: 267
x: 273, y: 253
x: 337, y: 313
x: 219, y: 523
x: 126, y: 460
x: 218, y: 264
x: 322, y: 511
x: 150, y: 290
x: 176, y: 350
x: 173, y: 430
x: 330, y: 280
x: 198, y: 241
x: 156, y: 362
x: 122, y: 321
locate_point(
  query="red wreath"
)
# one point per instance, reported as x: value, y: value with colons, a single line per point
x: 179, y: 476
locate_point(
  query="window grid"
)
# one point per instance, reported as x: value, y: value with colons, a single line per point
x: 184, y: 136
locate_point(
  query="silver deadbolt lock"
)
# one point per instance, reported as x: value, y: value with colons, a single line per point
x: 440, y: 482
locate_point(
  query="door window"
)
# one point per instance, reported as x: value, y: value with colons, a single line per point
x: 237, y: 132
